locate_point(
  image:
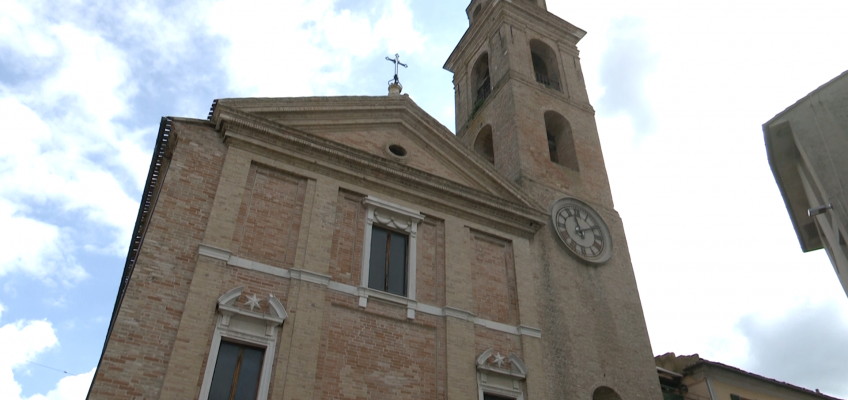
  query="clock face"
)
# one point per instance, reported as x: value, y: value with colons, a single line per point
x: 582, y: 230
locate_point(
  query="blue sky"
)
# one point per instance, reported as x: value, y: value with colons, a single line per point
x: 681, y: 90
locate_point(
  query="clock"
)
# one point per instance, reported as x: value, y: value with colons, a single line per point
x: 582, y: 230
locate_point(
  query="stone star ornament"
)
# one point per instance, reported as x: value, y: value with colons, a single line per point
x: 253, y: 301
x: 499, y: 359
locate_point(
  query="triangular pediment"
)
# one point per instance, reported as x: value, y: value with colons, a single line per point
x: 375, y: 125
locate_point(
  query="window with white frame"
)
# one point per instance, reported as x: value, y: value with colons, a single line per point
x: 388, y: 262
x: 243, y: 348
x: 237, y: 372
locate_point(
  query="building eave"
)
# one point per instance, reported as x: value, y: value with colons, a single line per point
x: 776, y: 164
x: 706, y: 363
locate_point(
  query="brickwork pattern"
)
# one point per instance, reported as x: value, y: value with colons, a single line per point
x: 376, y: 353
x: 493, y: 272
x: 430, y: 266
x: 270, y: 217
x: 346, y: 257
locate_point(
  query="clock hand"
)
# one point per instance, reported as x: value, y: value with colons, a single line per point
x: 578, y: 229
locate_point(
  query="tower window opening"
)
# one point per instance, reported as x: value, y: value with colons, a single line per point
x: 544, y: 65
x: 605, y: 393
x: 477, y: 11
x: 484, y: 145
x: 560, y: 141
x: 482, y: 82
x: 552, y: 148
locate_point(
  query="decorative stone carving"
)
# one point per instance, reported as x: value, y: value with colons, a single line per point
x: 500, y: 375
x: 246, y: 326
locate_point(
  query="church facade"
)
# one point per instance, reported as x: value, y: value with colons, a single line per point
x: 354, y: 248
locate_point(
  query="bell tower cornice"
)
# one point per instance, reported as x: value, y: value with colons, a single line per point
x: 501, y: 12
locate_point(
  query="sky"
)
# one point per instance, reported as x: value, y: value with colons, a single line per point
x: 681, y: 90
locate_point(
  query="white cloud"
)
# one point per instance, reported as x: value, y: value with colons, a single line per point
x: 22, y: 342
x: 16, y: 26
x: 74, y: 387
x: 64, y: 151
x: 808, y: 346
x: 304, y: 47
x: 38, y: 249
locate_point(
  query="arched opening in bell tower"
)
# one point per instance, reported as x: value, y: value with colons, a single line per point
x: 545, y: 67
x: 605, y: 393
x: 484, y: 145
x: 480, y: 79
x: 560, y: 141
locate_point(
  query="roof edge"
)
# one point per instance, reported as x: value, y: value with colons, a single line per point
x: 145, y: 208
x: 807, y: 97
x: 778, y: 179
x: 758, y: 377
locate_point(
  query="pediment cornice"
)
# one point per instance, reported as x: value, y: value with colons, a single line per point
x: 246, y: 130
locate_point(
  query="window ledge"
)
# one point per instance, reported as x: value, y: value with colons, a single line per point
x: 366, y: 292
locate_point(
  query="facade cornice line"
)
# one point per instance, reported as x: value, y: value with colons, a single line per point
x: 335, y: 154
x: 330, y: 284
x: 402, y: 106
x: 515, y: 222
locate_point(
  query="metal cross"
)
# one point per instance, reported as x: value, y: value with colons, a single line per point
x: 397, y: 62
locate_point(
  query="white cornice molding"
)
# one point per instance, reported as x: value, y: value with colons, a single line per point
x: 364, y: 293
x: 257, y: 266
x: 392, y: 208
x: 525, y: 330
x: 459, y: 314
x: 214, y: 252
x: 309, y: 276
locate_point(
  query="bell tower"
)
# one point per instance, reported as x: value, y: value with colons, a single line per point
x: 521, y: 104
x: 521, y: 101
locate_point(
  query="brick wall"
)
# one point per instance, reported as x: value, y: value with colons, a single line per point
x: 270, y: 217
x: 139, y: 349
x: 376, y: 353
x: 346, y: 256
x: 493, y: 272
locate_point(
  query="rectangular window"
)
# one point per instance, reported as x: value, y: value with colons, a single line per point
x: 237, y: 371
x: 387, y: 271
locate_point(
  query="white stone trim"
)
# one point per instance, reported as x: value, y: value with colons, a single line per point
x: 247, y: 327
x: 396, y: 217
x: 309, y: 276
x: 500, y: 381
x: 459, y: 314
x: 214, y: 252
x: 529, y: 331
x: 257, y: 266
x: 364, y: 293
